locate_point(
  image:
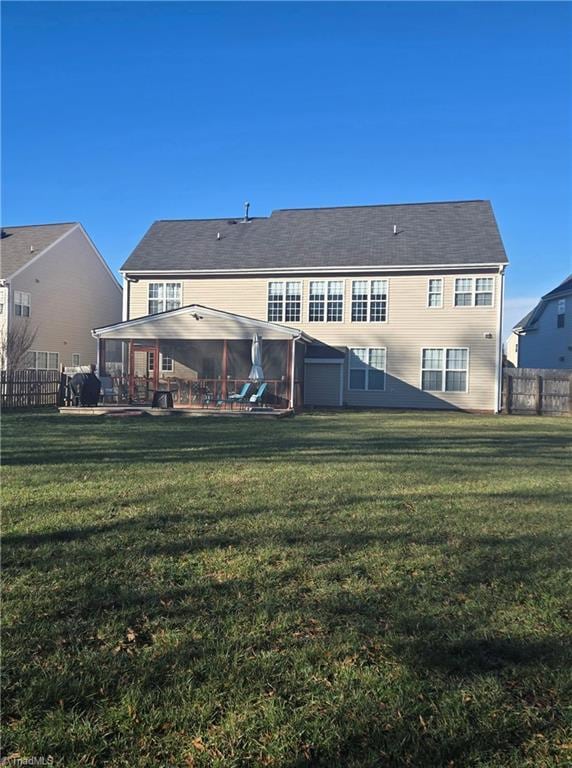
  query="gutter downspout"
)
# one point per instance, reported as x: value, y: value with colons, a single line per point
x: 8, y: 285
x: 499, y: 366
x: 293, y: 368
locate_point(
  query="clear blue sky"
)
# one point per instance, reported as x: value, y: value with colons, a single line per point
x: 116, y: 114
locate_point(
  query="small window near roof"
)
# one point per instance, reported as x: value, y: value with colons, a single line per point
x: 22, y: 303
x: 75, y: 359
x: 561, y: 316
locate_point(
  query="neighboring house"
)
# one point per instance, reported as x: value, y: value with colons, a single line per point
x: 55, y: 284
x: 380, y: 306
x: 543, y: 338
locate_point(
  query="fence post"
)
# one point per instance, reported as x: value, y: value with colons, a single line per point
x: 505, y: 393
x: 538, y: 395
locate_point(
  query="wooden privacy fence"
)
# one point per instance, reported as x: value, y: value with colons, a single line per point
x: 29, y: 389
x: 544, y: 391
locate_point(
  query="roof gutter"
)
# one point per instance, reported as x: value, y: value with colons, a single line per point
x: 314, y: 270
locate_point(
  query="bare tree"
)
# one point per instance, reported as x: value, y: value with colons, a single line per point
x: 16, y: 344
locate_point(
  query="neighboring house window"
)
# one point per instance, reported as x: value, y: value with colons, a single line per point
x: 284, y: 302
x: 367, y: 368
x: 484, y: 292
x: 435, y: 293
x: 22, y: 302
x: 444, y: 370
x: 471, y: 292
x: 75, y: 359
x: 561, y: 313
x: 369, y: 301
x: 166, y: 363
x: 317, y: 301
x: 163, y: 297
x: 42, y: 361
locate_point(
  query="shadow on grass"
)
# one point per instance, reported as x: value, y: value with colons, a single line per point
x: 365, y: 637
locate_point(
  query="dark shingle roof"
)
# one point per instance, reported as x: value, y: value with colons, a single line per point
x: 530, y: 319
x: 16, y: 242
x: 564, y: 287
x: 427, y: 233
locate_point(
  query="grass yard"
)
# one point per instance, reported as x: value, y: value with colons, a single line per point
x: 352, y: 589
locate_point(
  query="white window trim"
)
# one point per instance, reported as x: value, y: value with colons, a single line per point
x: 326, y: 282
x: 442, y: 304
x: 350, y: 369
x: 444, y: 371
x: 286, y: 280
x: 369, y: 320
x: 78, y: 355
x: 164, y: 284
x: 473, y: 293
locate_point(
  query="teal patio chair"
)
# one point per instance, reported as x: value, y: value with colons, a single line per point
x: 256, y: 398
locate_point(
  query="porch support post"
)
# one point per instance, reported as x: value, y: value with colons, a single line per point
x: 292, y: 370
x: 224, y: 369
x: 131, y: 370
x: 156, y: 366
x: 100, y: 357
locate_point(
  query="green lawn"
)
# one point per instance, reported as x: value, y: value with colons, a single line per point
x: 352, y: 589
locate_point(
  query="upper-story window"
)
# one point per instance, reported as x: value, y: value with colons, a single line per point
x: 326, y: 301
x: 284, y: 301
x: 561, y: 313
x: 22, y: 303
x: 474, y: 292
x: 369, y: 301
x: 435, y: 293
x: 163, y: 297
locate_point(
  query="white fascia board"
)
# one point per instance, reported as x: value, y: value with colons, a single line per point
x: 324, y: 360
x: 240, y: 319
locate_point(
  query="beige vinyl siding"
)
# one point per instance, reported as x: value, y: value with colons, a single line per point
x: 71, y: 293
x: 410, y: 326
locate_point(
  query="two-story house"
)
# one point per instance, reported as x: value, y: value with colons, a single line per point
x: 54, y: 288
x: 543, y: 338
x: 390, y: 306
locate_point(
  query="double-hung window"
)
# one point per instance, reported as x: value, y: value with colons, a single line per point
x: 367, y: 368
x: 484, y: 292
x: 326, y: 301
x: 76, y: 359
x: 284, y: 301
x: 444, y: 369
x: 435, y: 293
x: 317, y: 301
x: 335, y: 307
x: 163, y: 297
x: 22, y: 303
x: 474, y: 292
x: 369, y: 301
